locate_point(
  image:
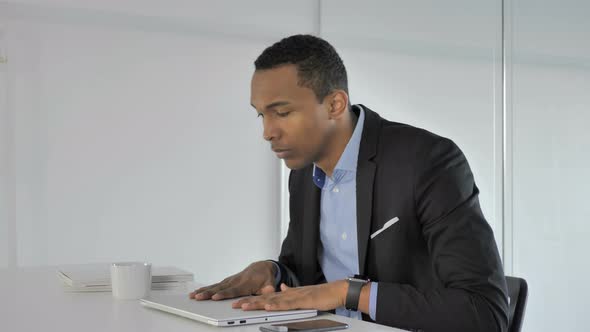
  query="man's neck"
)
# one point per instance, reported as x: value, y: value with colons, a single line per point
x: 337, y: 145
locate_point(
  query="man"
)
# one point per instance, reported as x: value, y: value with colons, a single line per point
x: 395, y: 204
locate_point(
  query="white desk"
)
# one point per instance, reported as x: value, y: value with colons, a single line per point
x: 32, y: 299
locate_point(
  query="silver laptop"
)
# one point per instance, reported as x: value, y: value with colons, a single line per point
x: 218, y: 313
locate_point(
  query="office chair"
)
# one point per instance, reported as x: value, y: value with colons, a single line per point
x: 518, y: 292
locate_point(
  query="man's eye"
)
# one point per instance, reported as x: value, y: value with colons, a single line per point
x: 284, y: 114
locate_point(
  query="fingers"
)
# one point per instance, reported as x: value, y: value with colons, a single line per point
x: 255, y: 279
x: 224, y: 291
x: 200, y: 290
x: 238, y: 304
x: 206, y: 293
x: 251, y: 303
x: 282, y: 304
x: 268, y: 289
x: 221, y: 292
x: 230, y: 293
x: 269, y: 302
x: 307, y: 297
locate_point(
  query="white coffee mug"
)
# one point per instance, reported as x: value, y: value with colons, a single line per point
x: 131, y: 280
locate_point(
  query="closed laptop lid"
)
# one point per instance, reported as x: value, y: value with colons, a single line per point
x: 218, y: 313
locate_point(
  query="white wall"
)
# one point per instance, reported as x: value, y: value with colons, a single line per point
x: 550, y: 113
x: 6, y: 190
x: 438, y: 66
x: 122, y: 122
x: 133, y: 137
x: 442, y: 74
x: 111, y: 36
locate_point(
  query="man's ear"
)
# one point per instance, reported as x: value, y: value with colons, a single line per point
x: 337, y: 103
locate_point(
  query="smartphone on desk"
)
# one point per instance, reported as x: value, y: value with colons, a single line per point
x: 318, y: 325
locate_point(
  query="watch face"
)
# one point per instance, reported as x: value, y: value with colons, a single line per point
x: 358, y: 280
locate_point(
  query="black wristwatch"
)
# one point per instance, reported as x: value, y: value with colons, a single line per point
x: 355, y: 285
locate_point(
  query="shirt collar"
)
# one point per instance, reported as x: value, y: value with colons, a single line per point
x: 349, y: 159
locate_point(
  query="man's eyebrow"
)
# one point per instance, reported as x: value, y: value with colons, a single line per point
x: 275, y: 104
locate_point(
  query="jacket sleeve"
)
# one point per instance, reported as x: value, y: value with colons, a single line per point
x: 464, y: 254
x: 286, y: 263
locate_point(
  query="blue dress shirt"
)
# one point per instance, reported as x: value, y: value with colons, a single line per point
x: 338, y: 251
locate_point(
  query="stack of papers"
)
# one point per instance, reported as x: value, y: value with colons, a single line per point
x: 97, y: 277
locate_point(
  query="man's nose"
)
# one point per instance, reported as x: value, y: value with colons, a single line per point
x: 270, y: 131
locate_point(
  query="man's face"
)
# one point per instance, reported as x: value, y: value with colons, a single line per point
x: 295, y: 124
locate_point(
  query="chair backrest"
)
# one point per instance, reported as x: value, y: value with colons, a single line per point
x: 518, y: 292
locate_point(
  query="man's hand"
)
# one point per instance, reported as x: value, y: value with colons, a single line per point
x: 320, y: 297
x: 257, y: 279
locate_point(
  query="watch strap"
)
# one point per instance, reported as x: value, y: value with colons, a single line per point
x: 354, y: 293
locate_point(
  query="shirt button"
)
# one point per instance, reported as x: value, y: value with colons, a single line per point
x: 344, y: 236
x: 336, y: 189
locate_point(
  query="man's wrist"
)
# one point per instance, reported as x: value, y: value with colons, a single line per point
x: 273, y: 268
x: 342, y: 291
x: 354, y: 292
x: 275, y: 274
x: 364, y: 299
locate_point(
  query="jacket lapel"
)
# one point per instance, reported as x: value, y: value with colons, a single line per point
x: 365, y: 177
x: 364, y: 197
x: 311, y: 230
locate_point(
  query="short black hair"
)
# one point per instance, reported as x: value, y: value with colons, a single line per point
x: 319, y: 66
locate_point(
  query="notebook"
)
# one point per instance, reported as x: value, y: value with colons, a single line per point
x: 218, y: 313
x: 97, y: 277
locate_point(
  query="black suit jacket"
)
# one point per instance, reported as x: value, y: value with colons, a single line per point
x: 438, y: 267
